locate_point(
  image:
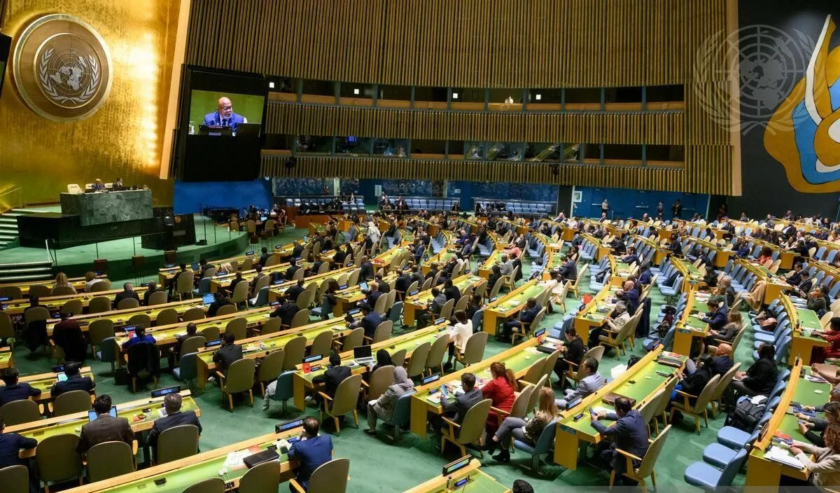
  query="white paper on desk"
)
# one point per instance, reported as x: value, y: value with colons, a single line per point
x: 783, y: 456
x: 236, y: 459
x: 162, y: 412
x: 618, y: 371
x: 599, y: 409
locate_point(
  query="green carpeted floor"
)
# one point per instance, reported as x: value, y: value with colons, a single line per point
x: 379, y: 466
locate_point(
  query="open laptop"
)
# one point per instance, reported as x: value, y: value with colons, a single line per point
x: 92, y: 414
x: 131, y: 330
x: 363, y: 355
x: 208, y: 298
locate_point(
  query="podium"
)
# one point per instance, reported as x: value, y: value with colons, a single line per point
x: 108, y: 207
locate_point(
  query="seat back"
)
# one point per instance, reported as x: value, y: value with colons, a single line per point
x: 398, y: 357
x: 417, y: 364
x: 295, y: 350
x: 383, y: 331
x: 402, y: 410
x: 240, y: 293
x: 381, y: 303
x: 330, y: 477
x: 474, y: 351
x: 649, y: 460
x: 706, y: 394
x: 731, y: 469
x: 193, y: 344
x: 648, y: 409
x: 548, y: 365
x: 663, y: 403
x: 73, y: 307
x: 127, y: 303
x: 535, y: 372
x: 437, y: 352
x: 109, y: 459
x: 57, y: 459
x: 380, y: 380
x: 354, y: 339
x: 238, y: 327
x: 226, y: 310
x: 474, y: 421
x: 724, y: 382
x: 546, y: 440
x: 300, y: 319
x: 15, y: 479
x: 11, y: 292
x: 167, y: 316
x: 17, y: 412
x: 71, y: 402
x: 285, y: 386
x: 396, y: 310
x: 261, y: 478
x: 140, y: 319
x: 322, y: 344
x: 346, y: 395
x: 271, y: 325
x: 194, y: 313
x: 185, y: 283
x: 271, y: 366
x: 99, y: 330
x: 520, y: 405
x: 240, y: 376
x: 158, y: 298
x: 535, y: 395
x: 176, y: 443
x: 99, y: 304
x: 143, y: 356
x: 596, y: 353
x: 188, y: 366
x: 212, y: 333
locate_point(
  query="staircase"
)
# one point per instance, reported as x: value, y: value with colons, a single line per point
x: 26, y: 271
x: 9, y: 228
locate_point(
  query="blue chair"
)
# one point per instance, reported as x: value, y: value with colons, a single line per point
x: 543, y: 446
x: 285, y: 388
x: 709, y: 478
x: 720, y: 455
x: 737, y: 439
x: 262, y: 297
x: 187, y: 368
x: 402, y: 415
x: 108, y: 352
x: 478, y: 320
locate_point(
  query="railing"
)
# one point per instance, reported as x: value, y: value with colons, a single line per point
x: 11, y: 199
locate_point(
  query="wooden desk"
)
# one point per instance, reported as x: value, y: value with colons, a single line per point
x: 7, y: 358
x: 222, y: 282
x: 596, y: 310
x: 692, y: 279
x: 54, y: 303
x: 689, y: 326
x: 121, y: 317
x: 479, y: 482
x: 278, y: 291
x: 518, y: 358
x: 77, y: 282
x: 261, y: 346
x: 660, y: 254
x: 183, y: 473
x: 776, y: 285
x: 419, y: 302
x: 303, y: 381
x: 166, y: 335
x: 764, y: 472
x: 486, y: 267
x: 347, y: 298
x: 803, y: 344
x: 572, y: 434
x: 71, y: 424
x: 510, y: 304
x: 45, y: 381
x: 386, y: 259
x: 722, y: 255
x: 448, y: 253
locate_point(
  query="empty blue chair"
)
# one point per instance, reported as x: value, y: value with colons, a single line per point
x: 720, y: 455
x: 187, y: 368
x: 108, y: 352
x: 709, y: 478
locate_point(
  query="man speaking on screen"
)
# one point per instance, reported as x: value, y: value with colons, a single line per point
x: 224, y: 116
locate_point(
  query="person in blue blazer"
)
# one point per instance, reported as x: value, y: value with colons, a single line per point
x: 224, y: 116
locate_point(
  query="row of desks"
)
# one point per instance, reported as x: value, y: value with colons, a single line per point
x: 804, y: 322
x: 78, y: 283
x: 54, y: 303
x: 417, y: 303
x: 507, y: 306
x: 45, y: 381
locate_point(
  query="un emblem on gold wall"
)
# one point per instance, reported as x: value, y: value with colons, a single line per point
x: 62, y: 68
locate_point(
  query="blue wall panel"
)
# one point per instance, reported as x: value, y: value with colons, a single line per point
x: 193, y: 197
x: 634, y: 203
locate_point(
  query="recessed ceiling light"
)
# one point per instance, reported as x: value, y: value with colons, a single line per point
x: 356, y: 92
x: 539, y: 97
x: 454, y: 95
x: 271, y: 85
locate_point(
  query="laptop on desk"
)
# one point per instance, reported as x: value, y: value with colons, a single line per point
x: 208, y: 298
x: 363, y: 355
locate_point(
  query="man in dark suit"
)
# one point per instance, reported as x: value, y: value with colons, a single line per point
x: 417, y: 275
x: 286, y: 311
x: 297, y: 250
x: 373, y: 294
x: 526, y: 316
x: 228, y: 354
x: 219, y: 300
x: 224, y: 116
x: 105, y: 428
x: 457, y: 408
x: 10, y: 446
x: 310, y: 452
x: 370, y: 321
x: 403, y: 282
x: 236, y: 280
x: 175, y: 351
x: 716, y: 317
x: 628, y: 434
x: 569, y: 269
x: 75, y: 381
x: 451, y: 291
x: 13, y: 390
x: 264, y: 256
x: 128, y: 292
x: 334, y: 375
x: 632, y: 296
x: 293, y: 292
x: 153, y: 288
x: 174, y: 417
x: 805, y: 284
x: 256, y: 279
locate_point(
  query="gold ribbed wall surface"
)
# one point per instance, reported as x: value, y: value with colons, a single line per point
x: 489, y: 44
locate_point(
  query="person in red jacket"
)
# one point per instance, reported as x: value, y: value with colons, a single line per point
x: 500, y: 390
x: 832, y: 335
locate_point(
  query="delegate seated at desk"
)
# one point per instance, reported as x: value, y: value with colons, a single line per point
x: 224, y: 116
x: 312, y: 451
x: 75, y: 381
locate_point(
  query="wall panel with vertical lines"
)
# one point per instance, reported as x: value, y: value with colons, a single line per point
x: 491, y: 44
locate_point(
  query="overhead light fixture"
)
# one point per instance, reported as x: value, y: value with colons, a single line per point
x: 539, y: 97
x: 356, y: 91
x: 454, y: 95
x: 271, y: 85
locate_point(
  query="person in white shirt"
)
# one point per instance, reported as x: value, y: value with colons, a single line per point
x: 90, y: 280
x: 458, y: 334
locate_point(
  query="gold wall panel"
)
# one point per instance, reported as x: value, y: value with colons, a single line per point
x: 123, y: 139
x: 593, y: 128
x: 491, y: 44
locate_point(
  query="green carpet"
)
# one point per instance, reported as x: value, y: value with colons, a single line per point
x: 376, y: 465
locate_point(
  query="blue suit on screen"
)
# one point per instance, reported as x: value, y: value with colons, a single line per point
x: 214, y: 119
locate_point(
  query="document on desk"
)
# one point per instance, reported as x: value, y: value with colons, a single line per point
x: 782, y: 456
